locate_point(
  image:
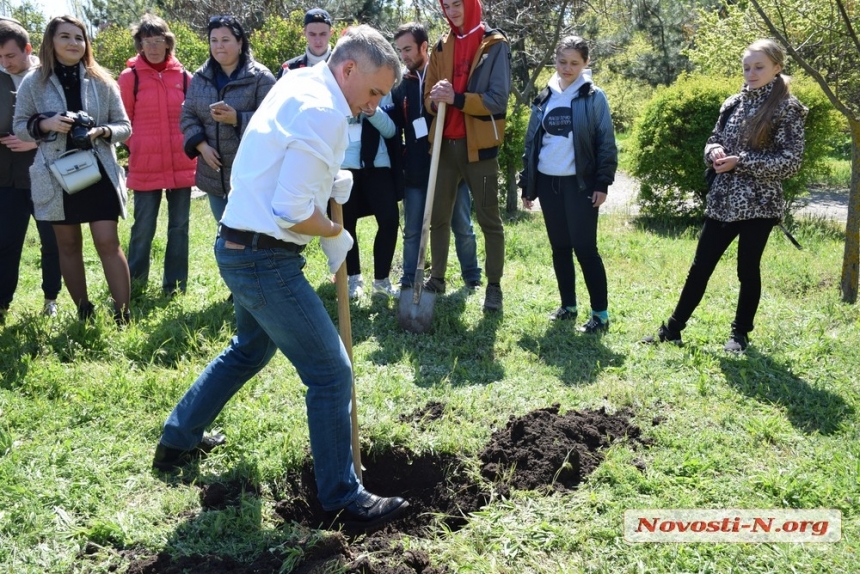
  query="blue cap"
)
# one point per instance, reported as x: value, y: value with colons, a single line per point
x: 317, y: 15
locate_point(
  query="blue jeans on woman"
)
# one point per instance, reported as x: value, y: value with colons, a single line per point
x: 146, y: 206
x: 461, y: 224
x: 276, y: 308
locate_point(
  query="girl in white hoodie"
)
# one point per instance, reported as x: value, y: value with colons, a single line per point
x: 569, y: 162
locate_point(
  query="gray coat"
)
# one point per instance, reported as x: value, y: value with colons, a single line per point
x: 101, y: 101
x: 244, y: 94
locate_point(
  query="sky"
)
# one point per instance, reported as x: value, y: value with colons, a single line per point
x: 53, y: 8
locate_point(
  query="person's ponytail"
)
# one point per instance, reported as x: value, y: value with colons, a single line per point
x: 759, y: 126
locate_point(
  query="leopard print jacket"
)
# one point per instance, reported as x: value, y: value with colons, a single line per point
x: 754, y: 188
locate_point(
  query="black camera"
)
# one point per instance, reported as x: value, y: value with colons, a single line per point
x: 80, y: 128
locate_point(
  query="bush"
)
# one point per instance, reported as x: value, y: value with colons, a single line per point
x: 669, y: 138
x: 511, y: 151
x: 667, y: 143
x: 112, y: 47
x: 626, y: 97
x: 278, y: 40
x: 191, y: 50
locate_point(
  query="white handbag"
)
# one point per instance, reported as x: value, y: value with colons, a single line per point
x: 76, y: 170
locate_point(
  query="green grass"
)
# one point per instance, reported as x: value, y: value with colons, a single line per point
x: 81, y: 409
x: 839, y: 173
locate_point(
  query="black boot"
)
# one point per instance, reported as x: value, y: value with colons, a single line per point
x: 86, y: 310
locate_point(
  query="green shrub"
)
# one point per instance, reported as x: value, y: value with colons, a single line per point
x: 191, y: 50
x: 669, y: 138
x: 278, y: 40
x: 626, y: 96
x: 112, y: 47
x: 667, y: 143
x: 511, y: 152
x: 822, y: 123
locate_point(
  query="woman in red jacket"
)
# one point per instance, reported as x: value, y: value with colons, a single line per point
x: 153, y: 88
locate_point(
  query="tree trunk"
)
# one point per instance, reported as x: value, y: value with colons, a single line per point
x: 851, y: 258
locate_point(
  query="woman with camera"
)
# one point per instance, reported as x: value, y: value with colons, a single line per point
x: 223, y: 95
x: 153, y: 87
x: 73, y: 103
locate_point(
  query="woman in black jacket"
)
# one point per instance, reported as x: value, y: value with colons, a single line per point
x: 223, y: 95
x: 570, y: 160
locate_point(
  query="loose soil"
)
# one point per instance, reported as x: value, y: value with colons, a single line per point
x: 542, y: 450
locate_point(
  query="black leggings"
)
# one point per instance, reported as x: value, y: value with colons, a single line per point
x: 715, y: 238
x: 373, y: 193
x: 571, y: 224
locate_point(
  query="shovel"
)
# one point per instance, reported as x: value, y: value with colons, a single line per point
x: 415, y: 310
x: 345, y: 325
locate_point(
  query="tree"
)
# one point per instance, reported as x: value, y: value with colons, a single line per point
x: 32, y: 19
x: 820, y: 36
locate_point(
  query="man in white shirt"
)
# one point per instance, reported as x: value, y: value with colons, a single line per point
x: 283, y: 176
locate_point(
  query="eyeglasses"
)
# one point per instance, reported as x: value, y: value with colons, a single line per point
x: 155, y: 42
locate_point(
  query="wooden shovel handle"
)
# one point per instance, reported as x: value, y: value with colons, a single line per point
x: 345, y: 325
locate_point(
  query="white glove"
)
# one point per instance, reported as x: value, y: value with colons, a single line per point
x: 336, y: 248
x: 342, y: 186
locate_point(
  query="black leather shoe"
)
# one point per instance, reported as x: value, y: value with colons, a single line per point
x: 172, y: 459
x: 369, y: 512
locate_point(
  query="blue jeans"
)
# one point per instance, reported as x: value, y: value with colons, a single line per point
x: 15, y: 213
x: 461, y: 225
x: 276, y: 308
x: 146, y: 206
x: 217, y: 204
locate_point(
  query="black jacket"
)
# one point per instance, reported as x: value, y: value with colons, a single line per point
x: 14, y: 166
x: 408, y: 106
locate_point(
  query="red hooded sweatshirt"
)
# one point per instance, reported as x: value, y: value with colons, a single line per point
x: 467, y: 41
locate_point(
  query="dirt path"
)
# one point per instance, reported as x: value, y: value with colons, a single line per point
x: 823, y: 204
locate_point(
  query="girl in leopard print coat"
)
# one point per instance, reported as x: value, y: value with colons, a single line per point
x: 759, y: 144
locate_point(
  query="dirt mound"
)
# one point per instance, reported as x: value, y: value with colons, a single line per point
x: 546, y: 450
x: 541, y: 450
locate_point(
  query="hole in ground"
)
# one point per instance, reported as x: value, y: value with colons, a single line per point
x: 542, y: 450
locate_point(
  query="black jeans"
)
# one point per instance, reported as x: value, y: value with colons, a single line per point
x: 373, y: 193
x: 571, y: 224
x: 715, y: 238
x: 15, y: 216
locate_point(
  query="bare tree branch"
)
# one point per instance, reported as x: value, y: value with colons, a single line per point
x: 825, y: 87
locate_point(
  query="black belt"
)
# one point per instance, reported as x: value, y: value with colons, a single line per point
x: 257, y: 240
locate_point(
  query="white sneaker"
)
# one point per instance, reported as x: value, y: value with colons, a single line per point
x: 356, y: 286
x: 50, y: 309
x: 384, y: 287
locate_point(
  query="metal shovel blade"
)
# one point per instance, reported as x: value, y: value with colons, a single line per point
x: 415, y: 310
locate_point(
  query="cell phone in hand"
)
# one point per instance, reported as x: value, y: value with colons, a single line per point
x: 221, y: 103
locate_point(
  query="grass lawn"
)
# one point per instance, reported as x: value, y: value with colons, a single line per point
x: 81, y: 408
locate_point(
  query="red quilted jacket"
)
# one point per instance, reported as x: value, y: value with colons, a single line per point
x: 157, y: 159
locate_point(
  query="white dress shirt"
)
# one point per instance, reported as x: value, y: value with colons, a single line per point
x: 289, y: 155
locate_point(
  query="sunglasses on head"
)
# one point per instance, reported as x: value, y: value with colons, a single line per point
x: 225, y: 19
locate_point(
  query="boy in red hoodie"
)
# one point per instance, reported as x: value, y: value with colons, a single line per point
x: 470, y: 70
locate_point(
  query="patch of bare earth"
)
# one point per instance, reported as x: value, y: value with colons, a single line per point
x: 542, y: 450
